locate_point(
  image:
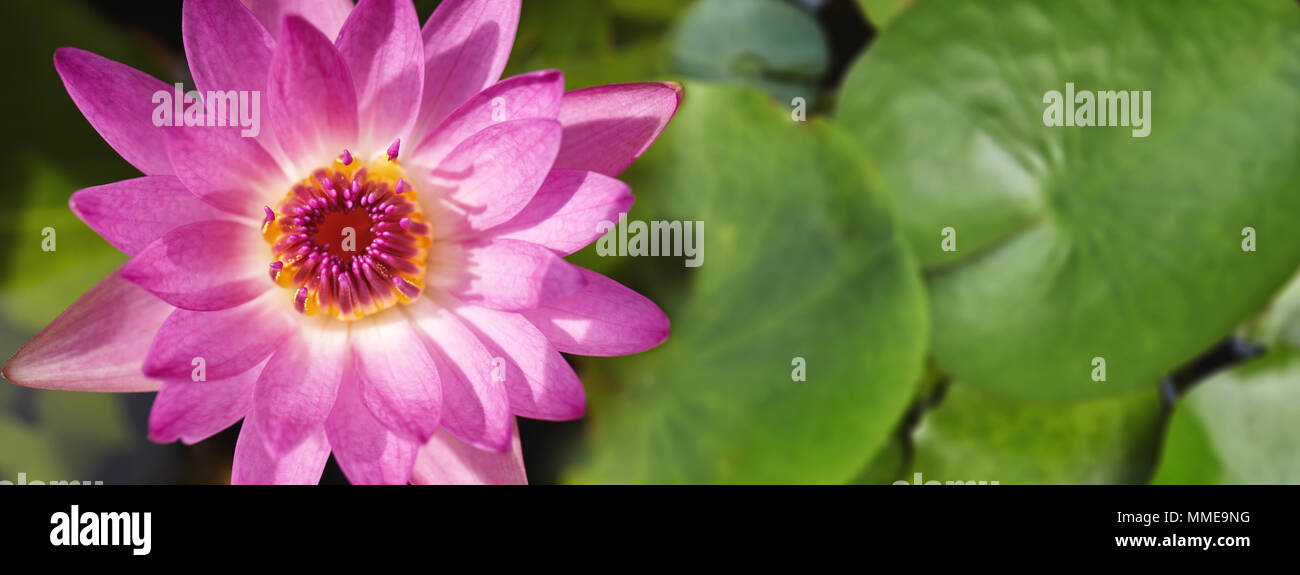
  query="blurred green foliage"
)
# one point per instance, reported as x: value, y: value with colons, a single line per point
x: 45, y: 434
x: 768, y: 44
x: 881, y: 13
x: 56, y: 152
x: 594, y: 41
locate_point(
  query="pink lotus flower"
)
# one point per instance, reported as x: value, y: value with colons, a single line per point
x: 460, y: 196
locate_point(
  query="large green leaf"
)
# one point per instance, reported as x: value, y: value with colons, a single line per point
x: 1238, y: 427
x: 768, y: 44
x: 1077, y: 243
x: 1280, y: 324
x: 976, y: 436
x: 887, y: 466
x: 802, y: 260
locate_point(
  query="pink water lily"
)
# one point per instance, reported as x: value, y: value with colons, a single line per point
x: 379, y: 273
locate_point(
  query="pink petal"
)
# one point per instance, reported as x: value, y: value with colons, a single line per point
x: 192, y: 411
x: 532, y: 95
x: 225, y: 169
x: 225, y: 45
x: 203, y: 266
x: 97, y: 344
x: 255, y: 465
x: 367, y: 452
x: 567, y: 212
x: 118, y: 101
x: 132, y: 214
x: 603, y: 319
x: 539, y: 382
x: 475, y: 407
x: 396, y: 377
x: 515, y: 275
x: 384, y: 52
x: 326, y: 15
x: 230, y: 341
x: 228, y: 49
x: 466, y: 46
x: 296, y: 391
x: 492, y: 176
x: 449, y: 461
x: 313, y: 102
x: 606, y: 128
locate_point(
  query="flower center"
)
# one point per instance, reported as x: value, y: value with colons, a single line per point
x: 350, y: 240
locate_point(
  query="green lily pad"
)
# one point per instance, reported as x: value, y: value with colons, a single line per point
x: 1078, y: 243
x: 1279, y: 325
x: 887, y: 466
x: 1238, y: 427
x: 975, y: 436
x: 768, y: 44
x: 802, y: 260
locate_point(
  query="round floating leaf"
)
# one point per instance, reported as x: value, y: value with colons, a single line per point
x: 1077, y: 243
x: 1238, y: 427
x: 802, y: 260
x: 768, y: 44
x: 974, y: 436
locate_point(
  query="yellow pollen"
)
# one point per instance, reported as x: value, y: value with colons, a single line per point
x: 350, y: 240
